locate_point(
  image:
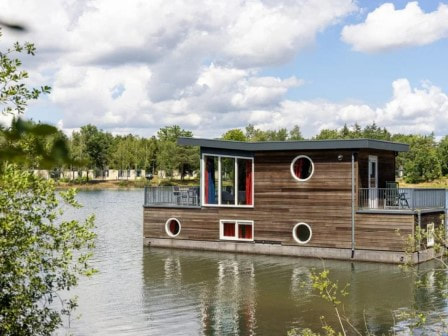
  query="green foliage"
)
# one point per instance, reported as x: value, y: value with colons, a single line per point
x: 442, y: 152
x: 235, y: 135
x: 33, y: 145
x: 14, y: 95
x: 327, y: 134
x: 25, y: 142
x: 40, y: 256
x: 355, y: 132
x: 329, y: 291
x: 422, y: 162
x: 96, y: 145
x: 172, y: 133
x: 295, y: 133
x: 254, y: 134
x: 172, y: 157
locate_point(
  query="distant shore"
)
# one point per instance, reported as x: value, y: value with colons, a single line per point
x: 122, y: 184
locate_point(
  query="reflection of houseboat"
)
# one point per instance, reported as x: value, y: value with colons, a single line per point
x: 327, y: 199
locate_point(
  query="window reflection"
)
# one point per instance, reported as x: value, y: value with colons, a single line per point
x: 227, y: 180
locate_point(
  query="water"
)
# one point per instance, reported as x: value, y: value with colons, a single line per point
x: 143, y: 291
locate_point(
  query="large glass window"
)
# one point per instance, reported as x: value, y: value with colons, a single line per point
x: 227, y: 181
x: 237, y: 230
x: 244, y: 181
x: 210, y: 178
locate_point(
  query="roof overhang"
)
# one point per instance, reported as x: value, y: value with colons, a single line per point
x: 295, y: 145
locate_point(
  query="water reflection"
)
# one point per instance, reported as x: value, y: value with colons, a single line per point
x: 222, y: 294
x: 149, y: 291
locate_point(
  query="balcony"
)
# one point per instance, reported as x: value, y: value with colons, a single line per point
x: 401, y: 199
x: 172, y: 196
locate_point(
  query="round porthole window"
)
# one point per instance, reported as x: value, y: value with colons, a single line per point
x: 172, y: 227
x: 302, y: 233
x: 302, y: 168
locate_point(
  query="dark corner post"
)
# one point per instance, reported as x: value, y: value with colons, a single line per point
x: 146, y: 195
x: 353, y: 204
x: 446, y: 211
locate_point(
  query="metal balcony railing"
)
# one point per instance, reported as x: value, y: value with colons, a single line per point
x: 401, y: 198
x: 172, y: 196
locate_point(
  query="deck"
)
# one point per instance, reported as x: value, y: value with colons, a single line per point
x: 370, y: 200
x: 172, y: 197
x: 411, y: 200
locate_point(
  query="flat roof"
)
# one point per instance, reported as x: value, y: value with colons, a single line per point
x: 295, y: 145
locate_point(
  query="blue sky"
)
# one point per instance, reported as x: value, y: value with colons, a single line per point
x: 136, y: 67
x: 333, y: 71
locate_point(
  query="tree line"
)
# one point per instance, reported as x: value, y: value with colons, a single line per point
x: 95, y: 149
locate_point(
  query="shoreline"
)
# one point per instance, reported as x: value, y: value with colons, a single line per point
x: 119, y: 185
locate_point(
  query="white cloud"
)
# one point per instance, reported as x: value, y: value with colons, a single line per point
x: 418, y: 110
x: 128, y: 64
x: 388, y: 28
x: 141, y: 65
x: 217, y: 94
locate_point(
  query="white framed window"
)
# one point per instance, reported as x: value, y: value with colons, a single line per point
x: 302, y: 233
x: 302, y: 168
x: 430, y: 235
x: 231, y: 229
x: 227, y: 181
x: 172, y: 227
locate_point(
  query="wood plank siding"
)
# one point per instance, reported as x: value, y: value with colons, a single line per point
x: 378, y: 231
x: 280, y: 202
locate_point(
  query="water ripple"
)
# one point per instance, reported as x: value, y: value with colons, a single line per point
x: 142, y: 291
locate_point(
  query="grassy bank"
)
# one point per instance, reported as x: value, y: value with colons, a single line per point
x: 123, y: 184
x: 439, y: 183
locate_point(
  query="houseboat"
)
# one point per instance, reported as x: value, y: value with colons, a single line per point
x: 333, y: 199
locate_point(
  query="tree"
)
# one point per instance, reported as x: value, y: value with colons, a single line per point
x: 147, y: 153
x: 234, y: 134
x: 40, y: 255
x: 327, y: 134
x: 37, y: 254
x: 277, y: 135
x: 96, y: 145
x: 421, y: 163
x: 14, y: 95
x: 442, y: 153
x: 295, y: 133
x: 254, y: 134
x: 172, y: 157
x: 374, y: 132
x: 33, y: 145
x: 172, y: 133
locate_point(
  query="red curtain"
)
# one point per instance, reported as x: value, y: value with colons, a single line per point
x: 174, y: 227
x: 249, y: 182
x: 298, y: 165
x: 229, y: 229
x: 245, y: 231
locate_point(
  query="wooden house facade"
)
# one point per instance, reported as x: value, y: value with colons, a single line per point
x: 328, y: 199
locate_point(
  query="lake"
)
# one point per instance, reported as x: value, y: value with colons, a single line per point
x: 149, y: 291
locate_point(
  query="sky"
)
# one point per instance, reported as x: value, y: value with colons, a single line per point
x: 209, y: 66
